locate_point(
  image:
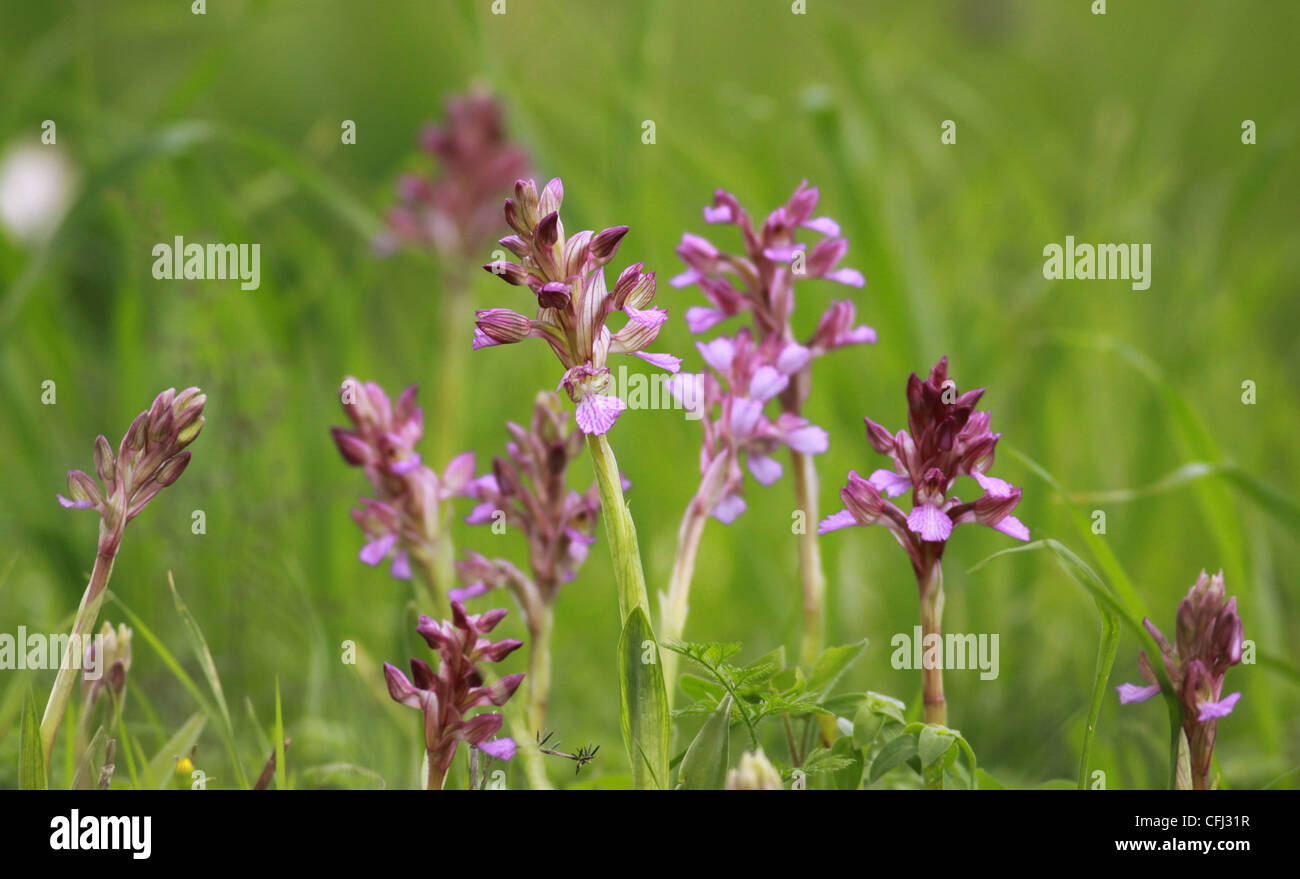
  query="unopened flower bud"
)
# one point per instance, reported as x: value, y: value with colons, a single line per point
x: 755, y: 772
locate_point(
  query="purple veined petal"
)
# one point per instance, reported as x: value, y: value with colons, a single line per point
x: 1133, y: 693
x: 650, y: 317
x: 824, y: 225
x: 993, y: 485
x: 836, y: 521
x: 766, y: 470
x: 74, y: 505
x: 793, y: 357
x: 889, y: 483
x: 481, y: 514
x: 403, y: 467
x: 1215, y: 710
x: 685, y: 279
x: 808, y: 440
x: 663, y: 361
x: 374, y: 551
x: 700, y: 319
x: 486, y: 482
x: 744, y: 416
x: 1013, y: 527
x: 501, y: 749
x: 848, y: 277
x: 473, y: 590
x: 483, y: 340
x: 729, y: 509
x: 767, y: 382
x: 596, y: 413
x: 401, y: 567
x: 718, y: 353
x: 930, y: 522
x: 720, y: 214
x: 400, y: 688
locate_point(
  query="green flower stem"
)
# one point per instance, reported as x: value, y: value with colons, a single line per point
x: 810, y: 557
x: 619, y: 529
x: 538, y: 682
x: 936, y: 709
x: 642, y: 693
x: 672, y: 621
x: 83, y: 624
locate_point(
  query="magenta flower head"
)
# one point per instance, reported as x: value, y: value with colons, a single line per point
x: 1209, y: 641
x: 150, y: 457
x: 447, y: 696
x: 745, y: 376
x: 527, y: 489
x: 566, y: 274
x: 405, y: 518
x: 457, y: 212
x: 762, y: 279
x: 947, y: 437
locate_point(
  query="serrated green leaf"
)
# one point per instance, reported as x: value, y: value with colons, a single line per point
x: 705, y: 765
x: 848, y: 764
x: 897, y: 752
x: 644, y: 709
x: 31, y: 757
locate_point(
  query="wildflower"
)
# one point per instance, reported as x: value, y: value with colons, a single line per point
x: 406, y: 521
x: 1208, y: 642
x: 151, y: 456
x: 448, y: 695
x: 754, y: 772
x: 457, y: 212
x: 111, y: 666
x: 760, y: 281
x: 526, y: 489
x: 567, y: 276
x: 947, y: 438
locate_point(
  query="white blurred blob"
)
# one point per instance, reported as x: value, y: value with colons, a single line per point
x: 36, y: 185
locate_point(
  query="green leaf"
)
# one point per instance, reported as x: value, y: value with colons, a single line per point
x: 934, y: 743
x: 848, y: 775
x: 705, y: 765
x: 209, y: 667
x: 644, y: 710
x: 31, y: 757
x: 988, y: 782
x: 701, y: 690
x: 832, y: 664
x: 896, y: 753
x: 867, y: 724
x: 159, y: 771
x: 280, y: 769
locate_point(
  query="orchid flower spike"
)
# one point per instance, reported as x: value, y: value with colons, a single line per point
x: 447, y: 696
x: 1209, y: 640
x: 566, y: 274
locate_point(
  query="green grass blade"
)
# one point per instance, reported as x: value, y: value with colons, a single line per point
x: 280, y: 770
x: 31, y: 757
x: 209, y: 666
x: 705, y: 765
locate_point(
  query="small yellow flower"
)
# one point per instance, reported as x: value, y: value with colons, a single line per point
x: 184, y: 766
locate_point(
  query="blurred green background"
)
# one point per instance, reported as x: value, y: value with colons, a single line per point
x: 225, y: 127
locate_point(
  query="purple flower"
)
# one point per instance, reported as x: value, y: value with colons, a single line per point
x: 737, y: 432
x: 457, y: 212
x: 406, y: 516
x: 762, y: 280
x: 948, y: 438
x: 566, y: 274
x: 1208, y: 641
x: 447, y: 696
x: 151, y: 456
x: 526, y: 490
